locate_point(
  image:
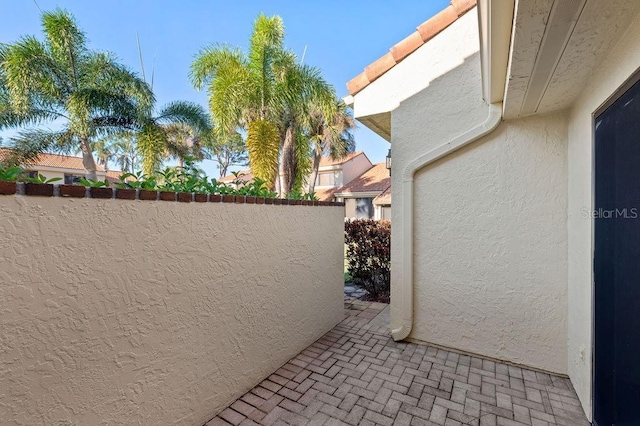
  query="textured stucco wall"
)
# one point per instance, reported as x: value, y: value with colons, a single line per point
x: 621, y: 63
x: 121, y: 312
x: 491, y: 257
x: 420, y: 123
x: 490, y: 238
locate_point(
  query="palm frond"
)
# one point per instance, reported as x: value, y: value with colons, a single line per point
x: 31, y: 75
x: 186, y: 113
x: 225, y: 72
x: 103, y: 72
x: 263, y: 145
x: 27, y: 144
x: 65, y: 41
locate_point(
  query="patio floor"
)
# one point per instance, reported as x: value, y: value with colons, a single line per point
x: 357, y: 375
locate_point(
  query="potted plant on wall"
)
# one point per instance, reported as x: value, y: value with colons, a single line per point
x: 8, y: 178
x: 40, y: 186
x: 97, y: 188
x: 146, y: 187
x: 75, y: 191
x: 127, y: 187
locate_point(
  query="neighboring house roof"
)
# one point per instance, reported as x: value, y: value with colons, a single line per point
x: 325, y: 194
x: 328, y: 161
x: 243, y: 175
x: 376, y: 179
x: 425, y: 32
x: 383, y: 199
x: 51, y: 160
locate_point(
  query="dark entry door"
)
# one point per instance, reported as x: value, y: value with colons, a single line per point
x: 617, y: 262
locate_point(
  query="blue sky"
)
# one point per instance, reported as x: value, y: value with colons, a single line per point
x: 342, y: 37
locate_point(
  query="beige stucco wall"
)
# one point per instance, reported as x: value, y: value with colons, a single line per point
x: 491, y: 256
x: 490, y: 236
x: 354, y: 168
x: 621, y: 63
x: 131, y: 312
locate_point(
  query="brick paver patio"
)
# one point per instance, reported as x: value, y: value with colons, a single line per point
x: 357, y: 375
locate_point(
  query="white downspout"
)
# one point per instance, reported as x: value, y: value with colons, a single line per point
x: 492, y: 121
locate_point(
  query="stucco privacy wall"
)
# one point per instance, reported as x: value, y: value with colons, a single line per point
x: 622, y: 62
x: 490, y: 238
x: 132, y: 312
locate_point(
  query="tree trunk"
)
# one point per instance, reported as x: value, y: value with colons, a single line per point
x: 87, y: 159
x: 314, y: 173
x: 223, y: 170
x: 289, y: 165
x: 223, y: 164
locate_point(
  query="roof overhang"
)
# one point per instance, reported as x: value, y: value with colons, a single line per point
x: 556, y: 45
x: 363, y: 194
x: 373, y: 94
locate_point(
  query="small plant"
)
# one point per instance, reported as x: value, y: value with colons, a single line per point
x: 257, y: 188
x: 42, y: 179
x: 297, y: 195
x: 137, y: 181
x: 94, y: 183
x: 210, y: 187
x: 10, y: 174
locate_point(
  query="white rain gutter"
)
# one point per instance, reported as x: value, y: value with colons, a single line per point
x: 492, y: 121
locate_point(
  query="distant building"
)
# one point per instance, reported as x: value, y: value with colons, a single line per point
x: 359, y: 194
x: 69, y: 169
x: 352, y: 179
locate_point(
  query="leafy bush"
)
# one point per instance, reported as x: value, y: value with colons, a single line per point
x: 10, y: 174
x: 42, y: 179
x: 369, y: 256
x: 297, y: 195
x: 187, y: 178
x: 94, y: 183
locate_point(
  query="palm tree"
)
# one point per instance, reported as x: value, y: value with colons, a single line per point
x: 59, y: 79
x: 331, y: 135
x: 302, y: 90
x: 104, y: 151
x: 242, y: 92
x: 184, y: 142
x: 125, y: 152
x: 160, y: 135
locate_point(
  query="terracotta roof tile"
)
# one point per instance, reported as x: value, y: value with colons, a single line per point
x: 51, y: 160
x: 406, y: 46
x: 325, y: 194
x: 243, y: 175
x: 463, y: 6
x: 379, y: 67
x: 357, y: 83
x: 437, y: 24
x: 375, y: 179
x: 425, y: 32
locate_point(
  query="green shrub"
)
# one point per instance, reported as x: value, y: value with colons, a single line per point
x: 10, y: 174
x: 369, y: 256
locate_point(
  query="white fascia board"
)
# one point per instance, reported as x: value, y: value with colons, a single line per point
x: 367, y: 194
x: 495, y: 19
